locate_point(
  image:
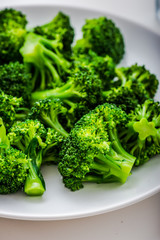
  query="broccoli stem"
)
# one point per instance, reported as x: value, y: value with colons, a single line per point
x: 34, y: 184
x: 65, y: 92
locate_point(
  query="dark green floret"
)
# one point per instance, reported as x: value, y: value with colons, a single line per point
x: 102, y: 66
x: 93, y: 152
x: 61, y: 26
x: 102, y: 36
x: 11, y: 109
x: 141, y: 136
x: 128, y: 88
x: 12, y: 34
x: 13, y: 165
x: 16, y: 81
x: 49, y: 111
x: 29, y: 136
x: 43, y: 59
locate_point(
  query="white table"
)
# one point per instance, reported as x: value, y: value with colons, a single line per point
x: 140, y: 221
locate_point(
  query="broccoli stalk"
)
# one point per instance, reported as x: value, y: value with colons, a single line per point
x: 43, y: 59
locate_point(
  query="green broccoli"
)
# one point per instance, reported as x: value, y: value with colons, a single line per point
x: 60, y: 25
x: 102, y: 36
x: 142, y: 75
x: 141, y: 136
x: 44, y: 60
x: 54, y: 141
x: 49, y: 111
x: 130, y: 87
x: 16, y: 81
x: 13, y: 165
x: 29, y: 137
x: 93, y: 152
x: 103, y: 66
x: 11, y: 109
x: 12, y: 34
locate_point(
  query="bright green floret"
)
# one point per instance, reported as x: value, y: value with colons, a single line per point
x: 12, y: 34
x: 93, y: 152
x: 44, y: 60
x: 102, y: 36
x: 13, y: 165
x: 54, y: 141
x: 141, y: 136
x: 49, y: 112
x: 29, y: 136
x: 61, y: 26
x: 16, y: 81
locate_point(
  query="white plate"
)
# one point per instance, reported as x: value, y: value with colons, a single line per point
x: 59, y: 203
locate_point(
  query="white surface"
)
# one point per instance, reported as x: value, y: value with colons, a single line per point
x: 139, y: 221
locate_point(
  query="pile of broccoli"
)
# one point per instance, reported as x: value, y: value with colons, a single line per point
x: 71, y: 105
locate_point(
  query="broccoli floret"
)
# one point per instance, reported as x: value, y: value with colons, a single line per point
x: 54, y: 141
x: 44, y: 60
x: 103, y: 66
x: 29, y: 137
x: 93, y: 152
x: 142, y: 75
x: 128, y: 90
x: 13, y: 165
x: 141, y: 136
x: 102, y: 36
x: 60, y: 25
x: 49, y: 112
x: 82, y: 85
x: 11, y: 109
x: 12, y: 33
x: 16, y: 81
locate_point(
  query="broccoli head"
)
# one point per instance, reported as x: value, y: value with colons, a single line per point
x: 12, y: 33
x: 60, y: 25
x: 15, y: 76
x: 102, y: 36
x: 11, y: 110
x: 13, y: 165
x: 141, y: 136
x: 93, y: 152
x: 49, y: 111
x: 102, y: 66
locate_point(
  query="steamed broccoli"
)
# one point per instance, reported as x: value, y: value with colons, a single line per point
x: 12, y: 33
x: 131, y: 87
x: 141, y: 136
x: 142, y: 75
x: 16, y: 81
x: 49, y: 111
x: 11, y: 109
x: 102, y: 66
x: 60, y: 25
x: 13, y: 165
x: 54, y: 141
x: 44, y: 60
x: 93, y: 152
x: 29, y: 137
x: 102, y: 36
